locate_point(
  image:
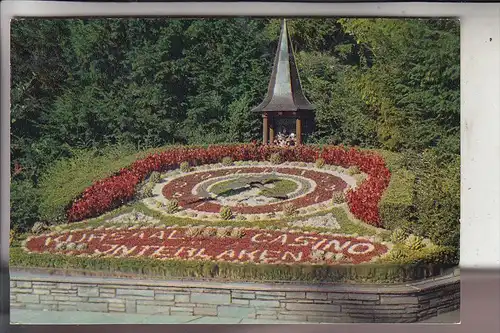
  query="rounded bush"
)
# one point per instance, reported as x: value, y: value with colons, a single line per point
x: 227, y: 161
x: 226, y: 213
x: 147, y: 190
x: 223, y: 232
x: 398, y: 236
x: 320, y: 163
x: 398, y: 254
x: 415, y: 242
x: 172, y: 206
x: 275, y: 158
x: 155, y: 177
x: 338, y: 197
x: 237, y: 233
x: 38, y: 227
x: 353, y: 170
x: 289, y: 209
x: 184, y: 167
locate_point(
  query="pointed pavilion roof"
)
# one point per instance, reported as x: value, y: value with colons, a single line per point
x: 285, y: 90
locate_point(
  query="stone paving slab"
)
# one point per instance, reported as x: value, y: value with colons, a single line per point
x: 448, y: 317
x: 33, y: 317
x: 22, y: 316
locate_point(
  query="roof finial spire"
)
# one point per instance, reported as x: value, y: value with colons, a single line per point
x: 285, y: 90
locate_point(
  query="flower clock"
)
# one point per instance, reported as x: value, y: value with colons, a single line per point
x: 237, y: 204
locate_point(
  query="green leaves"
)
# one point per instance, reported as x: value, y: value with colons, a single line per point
x: 414, y: 80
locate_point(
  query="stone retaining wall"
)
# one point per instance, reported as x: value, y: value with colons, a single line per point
x: 296, y: 302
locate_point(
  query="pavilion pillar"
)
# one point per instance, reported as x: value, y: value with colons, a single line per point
x: 271, y: 131
x: 265, y: 129
x: 298, y: 130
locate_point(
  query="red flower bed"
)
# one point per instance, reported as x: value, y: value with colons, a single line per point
x: 169, y: 243
x: 181, y: 189
x: 363, y: 201
x: 111, y: 192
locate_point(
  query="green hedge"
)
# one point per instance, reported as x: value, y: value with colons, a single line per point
x: 369, y: 273
x: 394, y: 161
x: 67, y: 178
x: 396, y: 205
x: 437, y: 200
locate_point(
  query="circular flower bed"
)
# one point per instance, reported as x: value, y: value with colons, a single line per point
x: 110, y: 193
x: 184, y: 190
x: 218, y: 244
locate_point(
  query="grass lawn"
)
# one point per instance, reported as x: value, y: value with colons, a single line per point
x: 276, y: 187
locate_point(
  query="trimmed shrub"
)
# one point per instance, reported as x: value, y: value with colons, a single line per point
x: 414, y: 242
x: 155, y: 177
x: 320, y: 162
x: 70, y: 246
x: 172, y: 206
x: 226, y: 213
x: 82, y: 246
x: 318, y: 255
x: 223, y: 232
x: 398, y: 236
x: 394, y: 161
x: 184, y: 167
x: 289, y: 209
x: 275, y: 158
x: 227, y: 161
x: 61, y: 246
x: 338, y: 197
x: 398, y: 254
x: 353, y: 170
x: 237, y: 233
x: 38, y: 228
x: 396, y: 205
x: 147, y: 190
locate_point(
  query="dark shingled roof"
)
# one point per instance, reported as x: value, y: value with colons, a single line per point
x: 285, y: 91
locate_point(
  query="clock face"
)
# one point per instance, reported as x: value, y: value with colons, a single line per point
x: 251, y: 190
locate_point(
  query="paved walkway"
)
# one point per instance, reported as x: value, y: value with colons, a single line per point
x: 448, y: 317
x: 21, y: 316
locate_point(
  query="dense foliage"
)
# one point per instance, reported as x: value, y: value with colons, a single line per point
x: 377, y: 83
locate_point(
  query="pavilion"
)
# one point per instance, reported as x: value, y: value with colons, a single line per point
x: 285, y: 107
